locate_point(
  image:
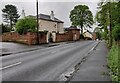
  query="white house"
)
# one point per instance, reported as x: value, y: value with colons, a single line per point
x: 51, y: 24
x: 87, y: 34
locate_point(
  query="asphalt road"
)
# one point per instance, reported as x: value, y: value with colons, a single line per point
x: 45, y: 64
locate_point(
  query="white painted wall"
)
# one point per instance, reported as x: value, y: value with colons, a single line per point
x: 50, y: 26
x: 87, y: 34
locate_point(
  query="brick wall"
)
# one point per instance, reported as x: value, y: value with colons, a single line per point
x: 29, y: 38
x: 76, y: 34
x: 10, y: 36
x: 42, y: 38
x: 69, y: 35
x: 63, y: 37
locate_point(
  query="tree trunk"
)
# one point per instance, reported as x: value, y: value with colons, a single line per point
x: 10, y: 23
x: 81, y: 29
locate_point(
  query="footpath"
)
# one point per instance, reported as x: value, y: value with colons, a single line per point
x: 94, y: 68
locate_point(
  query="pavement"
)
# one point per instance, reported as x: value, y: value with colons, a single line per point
x: 7, y: 48
x: 94, y: 67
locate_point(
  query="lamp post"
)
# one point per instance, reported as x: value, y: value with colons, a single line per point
x: 37, y: 22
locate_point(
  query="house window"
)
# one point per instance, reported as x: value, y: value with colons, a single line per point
x: 55, y: 25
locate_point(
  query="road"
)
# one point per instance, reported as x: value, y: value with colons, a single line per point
x: 45, y: 64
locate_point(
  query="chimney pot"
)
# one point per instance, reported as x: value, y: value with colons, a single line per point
x: 52, y: 15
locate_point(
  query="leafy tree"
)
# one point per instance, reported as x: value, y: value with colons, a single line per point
x: 81, y: 16
x: 98, y: 32
x: 116, y: 32
x: 108, y: 15
x: 104, y: 35
x: 10, y: 14
x: 25, y: 25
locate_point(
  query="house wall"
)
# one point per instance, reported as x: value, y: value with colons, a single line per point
x: 50, y: 26
x: 87, y: 34
x: 94, y: 37
x: 60, y: 27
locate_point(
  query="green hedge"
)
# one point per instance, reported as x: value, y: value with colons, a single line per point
x: 113, y: 62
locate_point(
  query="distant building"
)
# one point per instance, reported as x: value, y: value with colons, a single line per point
x: 75, y: 32
x: 87, y: 34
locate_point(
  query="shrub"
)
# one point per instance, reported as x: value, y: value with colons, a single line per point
x: 25, y: 25
x: 4, y: 28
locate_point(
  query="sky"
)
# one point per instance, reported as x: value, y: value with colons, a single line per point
x: 61, y: 8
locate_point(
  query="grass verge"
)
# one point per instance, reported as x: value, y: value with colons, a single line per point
x: 113, y: 63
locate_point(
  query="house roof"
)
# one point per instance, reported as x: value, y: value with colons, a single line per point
x: 68, y: 29
x: 47, y: 17
x: 72, y: 28
x: 87, y: 31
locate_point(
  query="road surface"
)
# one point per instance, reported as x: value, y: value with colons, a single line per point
x: 45, y: 64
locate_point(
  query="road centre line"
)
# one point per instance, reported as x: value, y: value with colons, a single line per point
x: 15, y: 64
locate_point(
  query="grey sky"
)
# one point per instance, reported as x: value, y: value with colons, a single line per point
x: 61, y: 8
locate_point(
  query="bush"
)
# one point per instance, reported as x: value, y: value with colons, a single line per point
x: 116, y: 32
x: 4, y: 28
x: 113, y: 62
x: 25, y: 25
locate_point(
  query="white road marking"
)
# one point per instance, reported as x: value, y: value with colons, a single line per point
x: 10, y: 65
x: 91, y: 50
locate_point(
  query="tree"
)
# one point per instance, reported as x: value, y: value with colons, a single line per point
x: 116, y: 32
x: 98, y: 32
x: 4, y: 28
x: 81, y: 16
x: 10, y: 14
x: 25, y: 25
x: 108, y: 15
x: 104, y: 35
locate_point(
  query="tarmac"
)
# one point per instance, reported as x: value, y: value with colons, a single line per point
x: 94, y: 68
x: 7, y: 48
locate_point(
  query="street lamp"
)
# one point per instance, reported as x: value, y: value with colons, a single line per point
x: 37, y: 22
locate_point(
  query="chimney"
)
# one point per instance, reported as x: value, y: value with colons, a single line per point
x: 22, y: 14
x: 52, y: 15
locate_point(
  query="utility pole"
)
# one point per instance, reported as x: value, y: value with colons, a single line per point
x: 110, y: 35
x: 37, y: 22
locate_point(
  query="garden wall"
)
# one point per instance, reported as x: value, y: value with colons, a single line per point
x: 29, y: 38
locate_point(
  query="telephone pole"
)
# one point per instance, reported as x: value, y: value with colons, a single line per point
x: 37, y: 22
x: 110, y: 24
